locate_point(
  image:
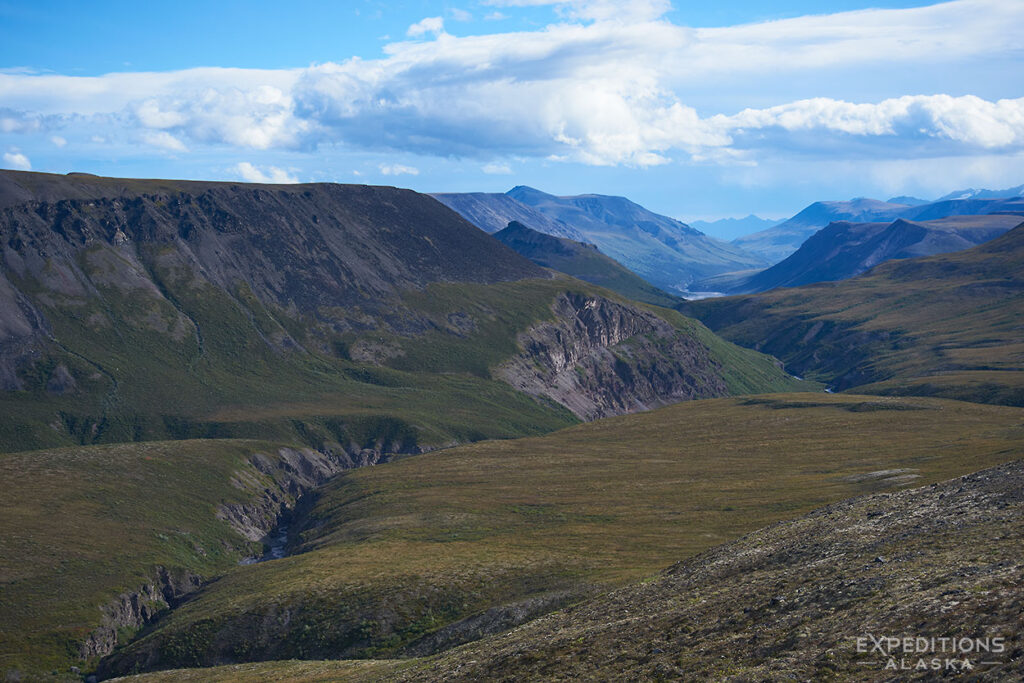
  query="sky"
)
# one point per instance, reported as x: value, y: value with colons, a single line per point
x: 696, y: 110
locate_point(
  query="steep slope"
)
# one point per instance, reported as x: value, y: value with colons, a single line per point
x: 778, y: 242
x: 842, y: 250
x: 96, y: 541
x: 582, y: 261
x: 163, y: 309
x: 425, y: 553
x: 663, y: 251
x: 492, y: 212
x: 802, y: 600
x: 945, y: 325
x: 141, y: 310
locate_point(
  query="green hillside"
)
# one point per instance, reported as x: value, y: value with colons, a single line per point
x: 947, y: 325
x: 392, y: 558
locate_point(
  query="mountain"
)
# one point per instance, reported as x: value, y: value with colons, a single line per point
x: 732, y: 228
x: 778, y: 242
x: 140, y: 310
x: 945, y: 325
x: 583, y: 261
x: 785, y: 238
x: 662, y: 250
x: 907, y: 200
x: 842, y: 250
x: 984, y: 194
x: 492, y: 212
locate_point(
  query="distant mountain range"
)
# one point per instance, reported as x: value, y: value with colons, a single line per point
x: 492, y: 212
x: 781, y: 240
x: 983, y: 194
x: 733, y: 228
x: 583, y: 261
x: 665, y: 252
x: 844, y: 249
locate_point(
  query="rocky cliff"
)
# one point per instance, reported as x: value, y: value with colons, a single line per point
x: 601, y: 358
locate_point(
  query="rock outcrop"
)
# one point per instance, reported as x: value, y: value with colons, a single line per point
x: 600, y: 358
x: 804, y: 600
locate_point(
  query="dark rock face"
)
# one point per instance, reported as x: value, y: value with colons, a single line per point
x: 137, y: 608
x: 791, y: 601
x: 294, y: 472
x: 304, y: 247
x: 602, y: 358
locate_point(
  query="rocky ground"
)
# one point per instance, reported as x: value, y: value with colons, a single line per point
x: 789, y: 602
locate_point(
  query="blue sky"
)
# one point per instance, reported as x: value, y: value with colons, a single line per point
x: 696, y: 110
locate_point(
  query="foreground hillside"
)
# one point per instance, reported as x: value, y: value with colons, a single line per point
x: 139, y: 310
x: 946, y: 325
x: 785, y: 601
x: 790, y: 601
x: 427, y: 552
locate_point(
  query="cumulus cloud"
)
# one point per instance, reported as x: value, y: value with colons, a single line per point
x: 16, y: 160
x: 398, y: 169
x: 58, y: 141
x: 164, y: 140
x: 969, y: 120
x: 424, y: 26
x: 612, y: 83
x: 273, y: 174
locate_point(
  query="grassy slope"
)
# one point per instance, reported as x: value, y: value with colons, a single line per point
x: 144, y: 384
x: 78, y: 526
x: 945, y: 325
x: 401, y: 549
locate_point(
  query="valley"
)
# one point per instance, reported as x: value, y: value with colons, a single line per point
x: 305, y: 432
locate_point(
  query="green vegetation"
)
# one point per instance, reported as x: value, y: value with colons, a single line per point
x: 394, y: 552
x: 945, y: 325
x: 79, y: 526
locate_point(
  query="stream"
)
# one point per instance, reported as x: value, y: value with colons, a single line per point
x: 277, y: 545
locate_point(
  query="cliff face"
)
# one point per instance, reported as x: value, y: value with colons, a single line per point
x: 602, y: 358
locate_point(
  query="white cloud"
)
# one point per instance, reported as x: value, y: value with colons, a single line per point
x: 495, y: 168
x: 398, y: 169
x: 16, y: 160
x: 427, y: 25
x: 613, y: 83
x: 164, y: 140
x: 460, y: 14
x: 58, y: 141
x: 273, y: 174
x: 969, y: 120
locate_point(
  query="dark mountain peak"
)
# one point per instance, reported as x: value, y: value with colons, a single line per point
x: 843, y: 249
x: 581, y: 260
x: 529, y: 195
x: 907, y: 200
